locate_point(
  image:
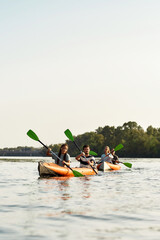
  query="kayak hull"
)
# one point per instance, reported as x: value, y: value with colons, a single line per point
x: 54, y: 170
x: 106, y: 166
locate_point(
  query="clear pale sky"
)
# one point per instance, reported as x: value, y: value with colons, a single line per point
x: 78, y: 65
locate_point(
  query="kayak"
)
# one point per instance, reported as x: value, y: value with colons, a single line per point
x: 106, y: 166
x: 54, y: 170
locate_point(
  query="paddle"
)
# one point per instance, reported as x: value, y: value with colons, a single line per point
x: 129, y: 165
x: 70, y: 136
x: 32, y: 135
x: 118, y: 147
x: 93, y: 153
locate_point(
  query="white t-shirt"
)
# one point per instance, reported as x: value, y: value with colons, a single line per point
x: 107, y: 158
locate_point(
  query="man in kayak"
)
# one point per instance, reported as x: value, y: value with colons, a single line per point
x: 85, y: 158
x: 63, y: 154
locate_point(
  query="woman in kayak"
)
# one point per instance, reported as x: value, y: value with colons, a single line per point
x: 106, y: 156
x: 63, y: 154
x: 85, y: 158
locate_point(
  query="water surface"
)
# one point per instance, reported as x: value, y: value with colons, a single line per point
x: 121, y: 204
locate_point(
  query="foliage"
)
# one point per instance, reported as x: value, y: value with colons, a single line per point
x: 136, y: 141
x: 21, y: 151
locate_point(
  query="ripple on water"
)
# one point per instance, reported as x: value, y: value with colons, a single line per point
x: 115, y: 205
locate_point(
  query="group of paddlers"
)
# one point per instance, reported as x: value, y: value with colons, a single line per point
x: 86, y: 160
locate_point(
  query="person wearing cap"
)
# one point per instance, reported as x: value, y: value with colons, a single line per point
x: 115, y: 157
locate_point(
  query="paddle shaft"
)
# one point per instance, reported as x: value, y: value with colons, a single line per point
x: 106, y: 156
x: 56, y: 155
x: 77, y: 146
x: 114, y: 150
x: 88, y: 161
x: 84, y: 156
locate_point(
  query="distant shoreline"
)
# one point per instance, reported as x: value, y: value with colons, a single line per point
x: 137, y: 142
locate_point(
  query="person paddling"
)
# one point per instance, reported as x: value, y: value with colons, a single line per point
x: 115, y: 157
x: 106, y: 156
x: 85, y: 158
x: 63, y: 154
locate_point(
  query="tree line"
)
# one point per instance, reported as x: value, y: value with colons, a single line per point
x: 137, y: 142
x: 22, y: 151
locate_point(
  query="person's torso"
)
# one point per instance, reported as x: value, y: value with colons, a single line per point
x: 107, y: 158
x: 84, y: 161
x: 60, y: 163
x: 115, y: 158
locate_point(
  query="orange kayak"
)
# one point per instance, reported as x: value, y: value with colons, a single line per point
x: 52, y: 169
x: 105, y: 166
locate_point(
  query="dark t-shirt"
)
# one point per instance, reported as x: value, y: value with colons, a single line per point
x: 115, y: 158
x: 84, y: 161
x: 60, y: 163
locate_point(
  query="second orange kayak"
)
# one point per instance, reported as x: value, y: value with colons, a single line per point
x: 105, y: 166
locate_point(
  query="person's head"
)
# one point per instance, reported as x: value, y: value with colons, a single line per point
x: 64, y: 148
x: 107, y: 150
x: 86, y: 149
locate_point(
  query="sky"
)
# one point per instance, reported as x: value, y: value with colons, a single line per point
x: 78, y: 65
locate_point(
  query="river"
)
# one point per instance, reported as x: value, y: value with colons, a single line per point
x: 117, y: 205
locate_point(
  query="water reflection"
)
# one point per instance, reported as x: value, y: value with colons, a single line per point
x: 63, y: 185
x: 65, y: 195
x: 86, y: 185
x: 115, y: 205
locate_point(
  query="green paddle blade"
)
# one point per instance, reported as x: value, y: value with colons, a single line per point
x: 129, y: 165
x: 77, y: 174
x: 93, y: 153
x: 32, y: 135
x: 118, y: 147
x: 69, y: 135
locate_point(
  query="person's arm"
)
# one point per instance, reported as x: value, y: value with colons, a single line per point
x: 48, y: 153
x: 99, y: 161
x: 103, y: 156
x: 78, y: 157
x: 93, y: 164
x: 115, y: 159
x: 92, y: 161
x: 67, y: 161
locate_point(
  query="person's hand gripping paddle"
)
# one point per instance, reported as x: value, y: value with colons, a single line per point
x: 32, y: 135
x: 70, y: 137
